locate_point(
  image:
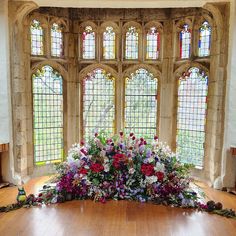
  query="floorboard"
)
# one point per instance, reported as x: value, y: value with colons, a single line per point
x: 115, y: 218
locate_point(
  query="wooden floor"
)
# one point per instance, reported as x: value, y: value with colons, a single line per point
x: 87, y: 218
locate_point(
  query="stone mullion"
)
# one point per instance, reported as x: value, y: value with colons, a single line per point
x: 167, y: 81
x: 71, y: 94
x: 119, y: 93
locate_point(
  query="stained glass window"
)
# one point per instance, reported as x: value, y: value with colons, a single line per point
x: 109, y: 43
x: 56, y: 40
x: 36, y: 31
x: 185, y: 42
x: 98, y: 103
x: 204, y: 40
x: 191, y: 116
x: 141, y: 104
x: 153, y: 44
x: 47, y: 115
x: 131, y: 43
x: 88, y: 38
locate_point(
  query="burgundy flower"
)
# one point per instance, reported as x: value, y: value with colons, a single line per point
x: 131, y: 134
x: 147, y: 169
x: 160, y: 176
x: 96, y: 167
x: 121, y: 133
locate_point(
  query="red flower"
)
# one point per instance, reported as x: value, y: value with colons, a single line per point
x: 147, y: 169
x: 82, y: 143
x: 96, y: 167
x: 160, y: 175
x: 119, y: 159
x: 83, y: 171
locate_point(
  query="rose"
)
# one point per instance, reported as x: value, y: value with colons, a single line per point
x: 160, y: 176
x: 96, y: 167
x: 83, y: 171
x: 147, y: 169
x: 119, y: 159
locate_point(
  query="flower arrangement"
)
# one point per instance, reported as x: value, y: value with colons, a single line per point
x: 123, y: 168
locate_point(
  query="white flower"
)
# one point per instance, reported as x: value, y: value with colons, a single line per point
x: 159, y: 167
x: 151, y: 179
x: 72, y: 161
x: 131, y: 171
x: 103, y: 153
x: 106, y: 168
x: 86, y: 167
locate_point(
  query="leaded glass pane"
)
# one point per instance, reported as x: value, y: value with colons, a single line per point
x: 47, y: 115
x: 56, y: 40
x: 204, y: 40
x: 131, y: 43
x: 88, y: 38
x: 191, y: 116
x: 36, y: 32
x: 109, y: 38
x: 185, y: 42
x: 153, y: 44
x: 98, y: 103
x: 141, y: 104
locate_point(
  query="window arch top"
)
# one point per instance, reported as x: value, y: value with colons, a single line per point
x: 89, y: 44
x: 131, y: 43
x: 57, y: 40
x: 37, y: 38
x: 109, y: 43
x: 185, y: 42
x: 152, y: 43
x: 191, y: 116
x: 204, y: 39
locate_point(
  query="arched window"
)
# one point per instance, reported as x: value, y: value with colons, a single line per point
x: 153, y: 44
x: 185, y: 42
x: 131, y: 43
x: 88, y: 38
x: 36, y: 32
x: 141, y: 104
x: 47, y: 115
x: 191, y: 116
x: 204, y: 40
x: 109, y: 43
x: 98, y: 102
x: 56, y: 41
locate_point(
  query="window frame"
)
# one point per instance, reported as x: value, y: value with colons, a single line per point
x: 64, y: 97
x: 82, y: 27
x: 125, y: 29
x: 159, y: 27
